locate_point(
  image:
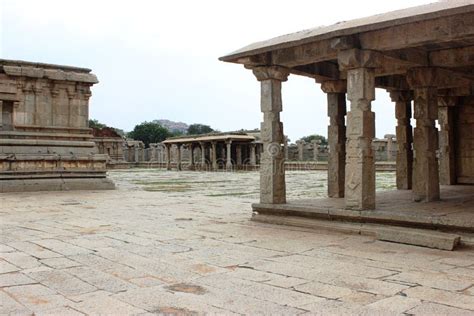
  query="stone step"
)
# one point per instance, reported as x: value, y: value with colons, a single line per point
x: 419, y: 237
x: 411, y: 236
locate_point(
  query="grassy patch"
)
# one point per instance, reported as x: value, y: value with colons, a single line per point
x: 170, y: 188
x: 231, y: 194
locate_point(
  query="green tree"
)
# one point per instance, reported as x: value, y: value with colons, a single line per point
x: 310, y: 138
x: 149, y: 132
x: 197, y: 129
x: 93, y: 123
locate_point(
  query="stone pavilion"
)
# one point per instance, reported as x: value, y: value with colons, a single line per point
x: 424, y: 58
x: 226, y: 151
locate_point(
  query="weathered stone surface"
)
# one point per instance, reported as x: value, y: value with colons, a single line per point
x: 324, y: 290
x: 20, y: 259
x: 10, y: 306
x: 419, y: 237
x: 360, y: 164
x: 62, y: 282
x: 12, y: 279
x: 106, y: 305
x: 394, y: 305
x: 204, y: 240
x: 428, y: 308
x: 6, y: 267
x: 441, y: 297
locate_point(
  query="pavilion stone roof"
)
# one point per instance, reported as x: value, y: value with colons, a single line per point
x: 210, y: 137
x: 372, y: 23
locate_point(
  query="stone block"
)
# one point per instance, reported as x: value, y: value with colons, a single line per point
x: 15, y: 278
x: 360, y: 123
x: 271, y: 96
x: 360, y: 84
x: 416, y: 237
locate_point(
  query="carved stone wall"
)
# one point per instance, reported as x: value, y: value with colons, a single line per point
x: 44, y: 136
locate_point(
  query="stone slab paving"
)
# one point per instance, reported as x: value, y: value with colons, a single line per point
x: 182, y: 243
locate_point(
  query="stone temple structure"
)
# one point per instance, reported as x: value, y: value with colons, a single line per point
x: 229, y: 151
x: 45, y: 141
x: 109, y: 143
x: 423, y: 57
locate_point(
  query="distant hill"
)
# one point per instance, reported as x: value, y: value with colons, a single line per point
x: 173, y: 126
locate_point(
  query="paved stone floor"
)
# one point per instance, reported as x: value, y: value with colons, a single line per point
x: 168, y: 242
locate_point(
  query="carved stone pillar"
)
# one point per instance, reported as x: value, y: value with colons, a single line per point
x: 153, y: 152
x: 425, y: 138
x: 214, y: 155
x: 253, y: 156
x: 447, y: 165
x: 360, y: 162
x: 389, y: 147
x: 178, y: 157
x: 285, y: 145
x: 191, y: 157
x: 404, y: 135
x: 38, y: 100
x: 55, y: 94
x: 238, y: 155
x: 228, y: 155
x: 300, y: 145
x: 272, y: 168
x: 222, y: 158
x: 168, y: 156
x: 203, y: 155
x: 316, y: 143
x: 336, y: 96
x: 137, y: 153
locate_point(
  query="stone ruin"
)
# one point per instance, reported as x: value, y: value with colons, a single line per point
x: 46, y: 143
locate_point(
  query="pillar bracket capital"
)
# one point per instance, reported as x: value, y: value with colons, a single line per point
x: 334, y: 86
x: 401, y: 95
x: 271, y: 72
x: 357, y: 58
x: 447, y: 100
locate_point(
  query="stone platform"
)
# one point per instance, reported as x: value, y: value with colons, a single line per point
x: 181, y: 243
x: 454, y: 213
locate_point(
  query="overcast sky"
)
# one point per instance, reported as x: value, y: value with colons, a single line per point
x: 158, y: 59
